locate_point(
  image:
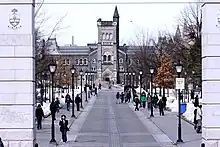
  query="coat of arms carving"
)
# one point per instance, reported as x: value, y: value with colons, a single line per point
x: 14, y: 19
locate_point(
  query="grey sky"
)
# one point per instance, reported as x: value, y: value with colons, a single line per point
x: 81, y: 19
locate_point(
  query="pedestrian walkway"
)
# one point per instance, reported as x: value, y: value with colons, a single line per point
x: 107, y: 124
x: 169, y: 123
x: 43, y: 136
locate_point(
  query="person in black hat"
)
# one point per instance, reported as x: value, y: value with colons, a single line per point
x: 64, y: 127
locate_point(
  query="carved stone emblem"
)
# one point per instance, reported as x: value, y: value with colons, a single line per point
x: 14, y: 19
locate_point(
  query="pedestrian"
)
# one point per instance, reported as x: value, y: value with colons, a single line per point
x: 100, y: 86
x: 77, y: 101
x: 196, y: 101
x: 155, y: 100
x: 117, y: 98
x: 137, y: 102
x: 192, y: 94
x: 161, y: 107
x: 148, y: 101
x: 199, y: 119
x: 195, y: 121
x: 164, y: 99
x: 68, y: 100
x: 1, y: 143
x: 53, y: 110
x: 122, y: 97
x: 57, y: 104
x: 39, y: 115
x: 96, y: 90
x: 143, y: 99
x: 64, y: 127
x: 128, y: 96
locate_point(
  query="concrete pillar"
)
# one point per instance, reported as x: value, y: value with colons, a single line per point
x: 17, y: 73
x: 211, y: 74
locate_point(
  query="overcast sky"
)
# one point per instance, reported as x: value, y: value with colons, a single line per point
x: 81, y: 19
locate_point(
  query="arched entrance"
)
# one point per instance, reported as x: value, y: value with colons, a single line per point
x: 107, y: 76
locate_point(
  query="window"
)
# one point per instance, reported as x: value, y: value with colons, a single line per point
x: 85, y: 61
x: 107, y: 36
x: 94, y: 61
x: 109, y: 57
x: 67, y: 61
x: 110, y: 36
x: 104, y: 58
x: 77, y: 62
x: 120, y: 60
x: 64, y: 62
x: 80, y: 61
x: 103, y: 36
x: 93, y: 68
x: 121, y: 68
x: 138, y: 61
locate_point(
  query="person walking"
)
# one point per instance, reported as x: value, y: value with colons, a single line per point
x: 143, y: 99
x: 122, y: 97
x: 196, y: 101
x: 195, y: 116
x: 53, y: 109
x: 64, y: 127
x: 68, y: 100
x: 164, y: 99
x: 129, y: 96
x: 199, y: 119
x: 161, y: 107
x: 137, y: 102
x: 39, y: 115
x: 117, y: 98
x: 78, y: 101
x: 57, y: 104
x: 1, y: 143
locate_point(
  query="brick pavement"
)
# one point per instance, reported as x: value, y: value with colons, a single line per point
x: 43, y: 136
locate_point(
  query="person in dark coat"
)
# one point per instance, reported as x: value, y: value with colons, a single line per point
x: 78, y: 101
x: 39, y: 115
x: 100, y: 86
x: 53, y: 109
x: 57, y: 104
x: 192, y: 94
x: 161, y: 107
x: 96, y: 90
x: 68, y: 101
x: 195, y: 116
x: 164, y: 99
x: 1, y: 143
x: 128, y: 96
x: 117, y: 98
x: 196, y: 101
x: 122, y: 97
x: 137, y: 102
x: 64, y: 127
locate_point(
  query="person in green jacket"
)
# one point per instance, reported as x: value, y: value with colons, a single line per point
x: 143, y: 99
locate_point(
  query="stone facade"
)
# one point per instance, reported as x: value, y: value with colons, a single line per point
x: 104, y: 58
x: 17, y: 78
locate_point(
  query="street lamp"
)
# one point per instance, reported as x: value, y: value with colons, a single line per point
x: 81, y: 74
x: 179, y: 70
x: 151, y: 82
x: 73, y: 98
x: 140, y: 81
x: 133, y: 79
x: 52, y: 69
x: 129, y: 79
x: 86, y: 85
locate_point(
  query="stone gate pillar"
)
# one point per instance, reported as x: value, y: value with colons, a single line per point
x: 211, y: 73
x: 17, y: 73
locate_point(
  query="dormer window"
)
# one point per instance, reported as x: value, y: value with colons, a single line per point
x: 109, y: 57
x: 81, y: 61
x: 67, y: 61
x: 104, y: 58
x: 77, y: 62
x: 120, y: 60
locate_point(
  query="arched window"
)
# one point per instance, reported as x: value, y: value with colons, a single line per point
x: 85, y: 61
x: 109, y: 57
x: 110, y: 36
x: 67, y: 61
x: 107, y: 36
x: 120, y: 60
x: 77, y: 62
x: 104, y: 58
x: 81, y: 61
x: 103, y: 36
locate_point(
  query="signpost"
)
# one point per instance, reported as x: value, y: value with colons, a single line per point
x: 180, y: 83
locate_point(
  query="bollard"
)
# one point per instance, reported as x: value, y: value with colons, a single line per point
x: 203, y: 145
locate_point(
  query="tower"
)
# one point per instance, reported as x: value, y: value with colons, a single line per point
x: 108, y: 44
x: 116, y: 19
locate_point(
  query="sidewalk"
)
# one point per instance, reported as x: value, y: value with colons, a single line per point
x: 168, y: 125
x: 43, y: 136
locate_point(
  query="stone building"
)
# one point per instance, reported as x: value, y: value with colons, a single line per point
x: 106, y: 59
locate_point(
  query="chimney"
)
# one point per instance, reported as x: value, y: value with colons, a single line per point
x: 72, y: 40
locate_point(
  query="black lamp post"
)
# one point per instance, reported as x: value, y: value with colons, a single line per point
x: 129, y: 79
x: 86, y: 84
x: 81, y: 74
x: 73, y: 98
x: 179, y: 70
x: 133, y: 79
x: 124, y: 78
x: 140, y: 82
x: 151, y: 82
x: 52, y: 69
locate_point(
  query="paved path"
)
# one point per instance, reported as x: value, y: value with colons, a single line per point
x: 107, y: 124
x: 43, y: 136
x: 168, y: 124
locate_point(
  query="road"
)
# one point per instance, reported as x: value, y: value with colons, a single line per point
x: 112, y: 125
